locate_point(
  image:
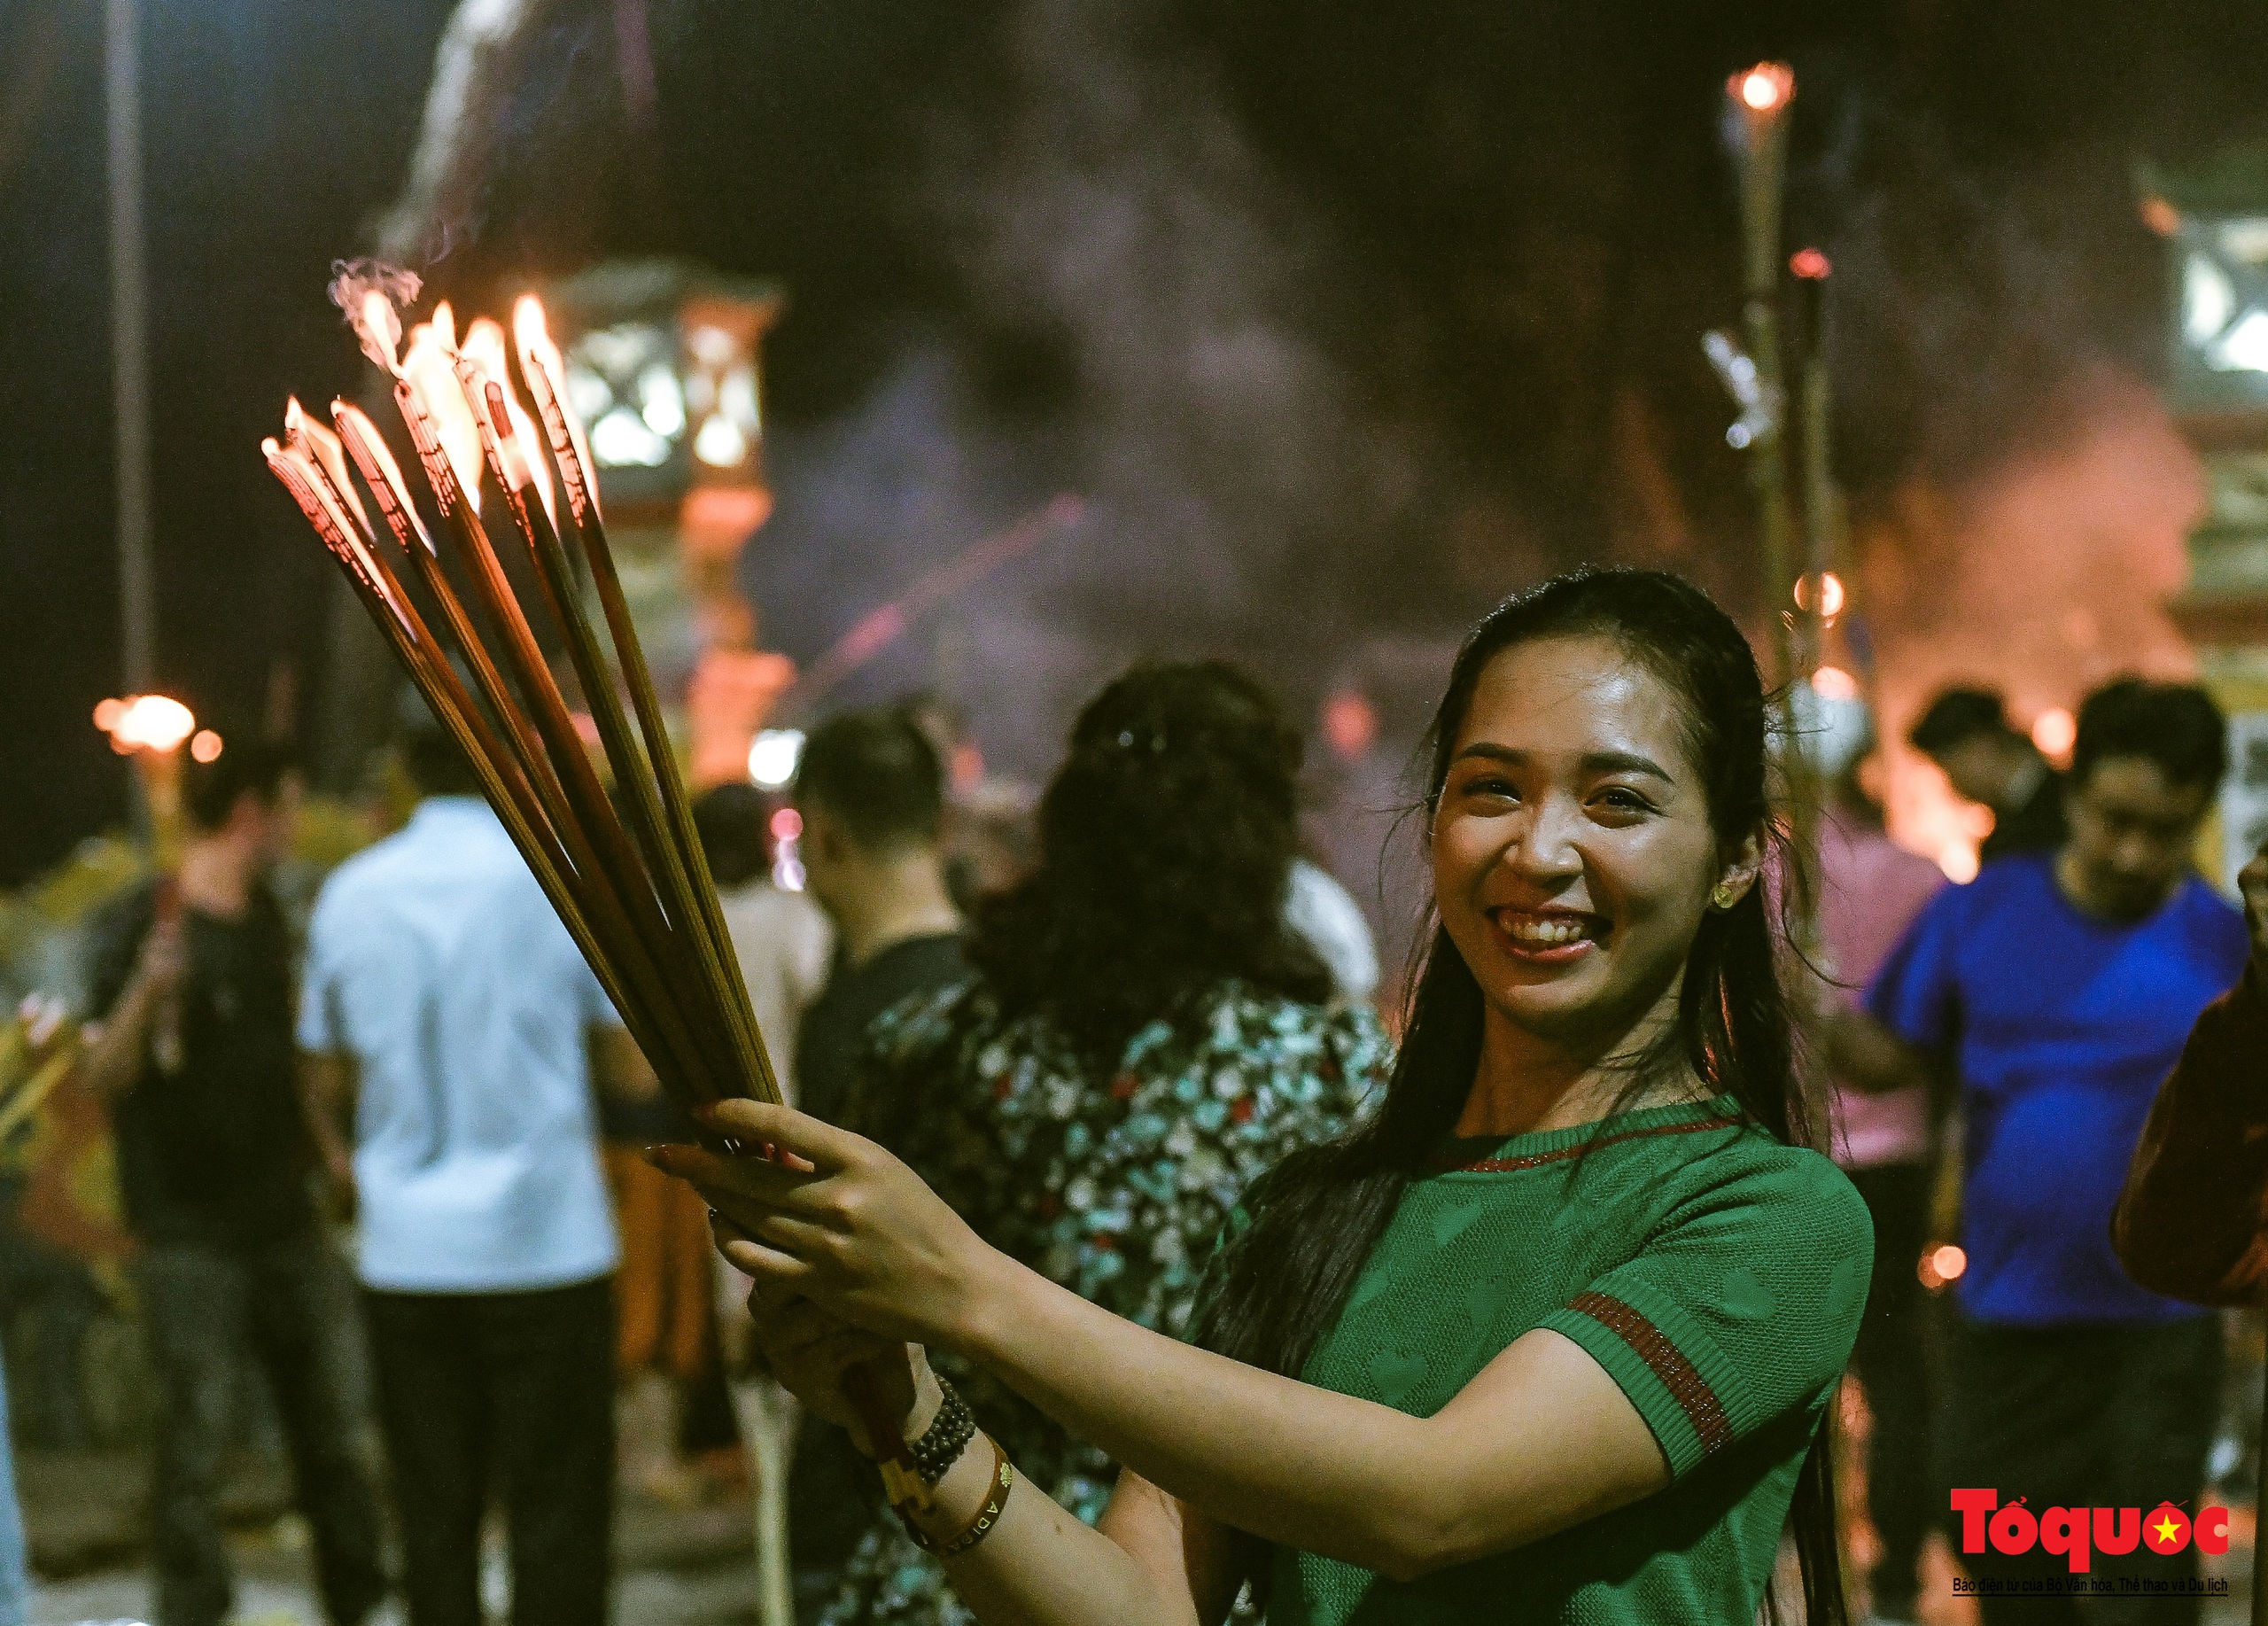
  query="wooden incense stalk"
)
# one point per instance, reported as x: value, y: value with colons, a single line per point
x: 539, y: 365
x: 688, y: 866
x: 589, y: 810
x: 398, y: 620
x: 536, y: 788
x: 555, y: 573
x: 639, y: 899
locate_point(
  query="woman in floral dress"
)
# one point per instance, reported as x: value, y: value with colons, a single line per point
x: 1144, y: 1036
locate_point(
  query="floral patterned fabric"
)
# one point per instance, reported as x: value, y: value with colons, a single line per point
x: 1117, y: 1191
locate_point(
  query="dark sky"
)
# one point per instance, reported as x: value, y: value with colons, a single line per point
x: 1344, y: 318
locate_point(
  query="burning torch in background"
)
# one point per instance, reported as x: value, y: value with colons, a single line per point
x: 152, y: 729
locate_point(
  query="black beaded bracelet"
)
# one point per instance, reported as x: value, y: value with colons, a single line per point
x: 947, y: 1435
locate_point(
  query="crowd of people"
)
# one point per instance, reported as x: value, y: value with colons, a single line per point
x: 1194, y: 1292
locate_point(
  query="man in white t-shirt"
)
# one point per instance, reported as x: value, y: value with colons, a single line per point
x: 444, y: 1000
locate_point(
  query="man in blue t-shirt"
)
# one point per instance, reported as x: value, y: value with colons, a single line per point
x: 2060, y: 986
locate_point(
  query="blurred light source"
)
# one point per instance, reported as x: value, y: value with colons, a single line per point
x: 787, y: 824
x: 1766, y: 87
x: 1350, y: 724
x: 2054, y: 731
x: 145, y: 722
x: 1834, y: 683
x: 204, y: 745
x: 772, y: 760
x: 1942, y: 1264
x: 1810, y: 264
x: 1831, y: 595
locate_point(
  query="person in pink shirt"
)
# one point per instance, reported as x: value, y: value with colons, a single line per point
x: 1870, y: 889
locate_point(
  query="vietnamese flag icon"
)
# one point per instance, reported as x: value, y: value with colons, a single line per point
x: 2166, y: 1530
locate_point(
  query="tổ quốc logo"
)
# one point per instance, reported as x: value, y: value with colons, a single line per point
x: 2075, y: 1534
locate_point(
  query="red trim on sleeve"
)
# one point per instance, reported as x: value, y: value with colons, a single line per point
x: 1678, y: 1375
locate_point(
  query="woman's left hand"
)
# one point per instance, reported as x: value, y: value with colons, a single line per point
x: 855, y: 1231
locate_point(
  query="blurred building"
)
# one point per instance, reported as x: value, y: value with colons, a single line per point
x: 2214, y: 217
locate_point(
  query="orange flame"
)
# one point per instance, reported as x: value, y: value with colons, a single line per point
x: 426, y: 368
x: 1765, y: 88
x: 380, y: 330
x: 146, y: 722
x: 521, y: 451
x: 545, y: 371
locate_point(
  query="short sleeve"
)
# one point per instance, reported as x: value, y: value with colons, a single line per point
x: 1917, y: 992
x: 1740, y: 1310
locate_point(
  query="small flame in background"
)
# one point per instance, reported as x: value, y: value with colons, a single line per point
x: 1765, y: 88
x: 148, y: 722
x: 1942, y: 1265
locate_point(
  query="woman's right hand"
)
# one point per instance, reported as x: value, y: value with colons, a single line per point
x: 808, y: 1351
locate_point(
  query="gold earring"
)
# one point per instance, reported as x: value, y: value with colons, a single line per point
x: 1725, y: 895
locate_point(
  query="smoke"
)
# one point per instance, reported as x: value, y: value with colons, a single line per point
x: 1121, y: 220
x: 2019, y: 492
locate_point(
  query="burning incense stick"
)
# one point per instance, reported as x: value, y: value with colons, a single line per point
x: 638, y: 900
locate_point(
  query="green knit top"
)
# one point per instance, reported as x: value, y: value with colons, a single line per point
x: 1716, y: 1274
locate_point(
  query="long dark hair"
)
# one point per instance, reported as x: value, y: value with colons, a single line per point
x: 1166, y: 843
x: 1320, y: 1214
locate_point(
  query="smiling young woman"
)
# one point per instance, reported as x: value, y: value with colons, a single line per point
x: 1549, y: 1338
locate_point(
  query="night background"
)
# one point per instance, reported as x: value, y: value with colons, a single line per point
x: 1343, y: 320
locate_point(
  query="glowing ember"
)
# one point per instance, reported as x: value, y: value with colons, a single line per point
x: 1765, y: 88
x: 145, y: 722
x: 1810, y: 264
x: 2056, y: 731
x: 426, y: 368
x: 204, y: 745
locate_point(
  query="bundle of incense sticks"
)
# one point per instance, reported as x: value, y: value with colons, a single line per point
x: 635, y: 891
